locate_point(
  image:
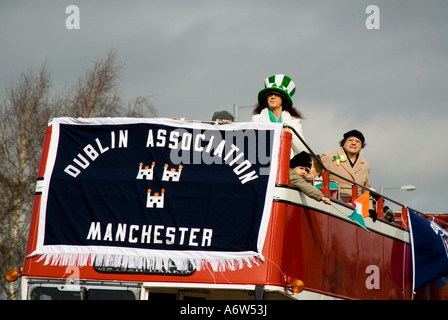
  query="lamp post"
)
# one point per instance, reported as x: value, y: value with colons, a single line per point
x: 405, y: 187
x: 236, y: 111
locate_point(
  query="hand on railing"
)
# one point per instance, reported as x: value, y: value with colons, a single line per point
x: 381, y: 209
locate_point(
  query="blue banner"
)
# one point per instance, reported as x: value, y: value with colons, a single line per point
x: 141, y: 192
x: 429, y: 244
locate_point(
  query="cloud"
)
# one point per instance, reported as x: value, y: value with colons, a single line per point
x: 196, y: 57
x: 406, y: 150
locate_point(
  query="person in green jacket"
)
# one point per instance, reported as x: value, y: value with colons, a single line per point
x: 300, y: 166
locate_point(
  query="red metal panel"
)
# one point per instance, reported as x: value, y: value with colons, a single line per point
x: 32, y: 236
x: 336, y: 257
x: 283, y: 158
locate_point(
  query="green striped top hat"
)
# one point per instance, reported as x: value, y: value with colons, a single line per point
x: 280, y: 83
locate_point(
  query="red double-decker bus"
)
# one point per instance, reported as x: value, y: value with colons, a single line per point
x: 311, y: 251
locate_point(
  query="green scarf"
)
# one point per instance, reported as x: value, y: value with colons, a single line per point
x: 272, y: 117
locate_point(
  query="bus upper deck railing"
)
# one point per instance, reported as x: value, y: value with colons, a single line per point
x: 354, y: 194
x: 378, y: 198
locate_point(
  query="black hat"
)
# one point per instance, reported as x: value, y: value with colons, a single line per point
x: 302, y: 159
x: 354, y: 133
x: 222, y: 115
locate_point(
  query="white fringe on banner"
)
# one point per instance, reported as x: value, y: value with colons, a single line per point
x: 145, y: 262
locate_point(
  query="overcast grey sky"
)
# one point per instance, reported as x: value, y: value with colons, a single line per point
x: 195, y: 57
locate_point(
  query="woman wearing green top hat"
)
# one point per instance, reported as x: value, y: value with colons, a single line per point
x: 275, y: 105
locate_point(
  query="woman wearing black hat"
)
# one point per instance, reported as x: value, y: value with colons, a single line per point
x: 348, y: 162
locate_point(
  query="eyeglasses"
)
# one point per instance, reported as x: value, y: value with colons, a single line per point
x: 354, y: 140
x: 273, y: 93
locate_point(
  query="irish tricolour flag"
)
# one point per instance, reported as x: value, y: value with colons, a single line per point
x: 362, y: 210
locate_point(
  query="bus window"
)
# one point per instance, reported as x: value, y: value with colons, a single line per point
x: 53, y: 293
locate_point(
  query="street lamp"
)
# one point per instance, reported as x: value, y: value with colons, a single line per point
x: 236, y: 111
x: 405, y: 187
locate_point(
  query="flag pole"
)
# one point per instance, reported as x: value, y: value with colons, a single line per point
x: 347, y: 216
x: 339, y: 210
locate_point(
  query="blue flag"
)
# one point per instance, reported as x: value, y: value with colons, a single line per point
x: 429, y: 244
